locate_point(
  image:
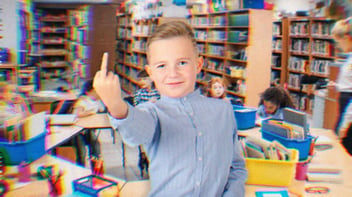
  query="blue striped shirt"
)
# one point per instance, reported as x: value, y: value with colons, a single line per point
x: 191, y: 143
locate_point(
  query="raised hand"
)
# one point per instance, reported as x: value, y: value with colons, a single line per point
x: 107, y: 85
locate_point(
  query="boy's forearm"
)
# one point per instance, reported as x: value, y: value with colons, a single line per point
x: 118, y: 109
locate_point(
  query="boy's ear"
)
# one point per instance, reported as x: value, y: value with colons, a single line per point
x: 200, y: 63
x: 147, y: 68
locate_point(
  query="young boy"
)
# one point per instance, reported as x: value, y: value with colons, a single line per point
x: 191, y: 140
x: 147, y: 91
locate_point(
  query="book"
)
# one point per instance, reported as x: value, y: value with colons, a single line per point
x: 324, y: 177
x: 271, y: 193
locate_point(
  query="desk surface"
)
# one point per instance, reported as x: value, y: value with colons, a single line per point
x: 71, y: 172
x: 59, y: 134
x: 336, y: 156
x: 94, y: 121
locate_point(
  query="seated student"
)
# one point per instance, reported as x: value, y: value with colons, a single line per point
x: 191, y: 140
x: 216, y: 89
x: 12, y: 103
x: 272, y: 101
x: 147, y: 91
x: 345, y: 131
x: 88, y: 103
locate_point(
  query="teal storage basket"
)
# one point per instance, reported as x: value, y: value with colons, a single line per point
x: 16, y: 152
x: 245, y: 116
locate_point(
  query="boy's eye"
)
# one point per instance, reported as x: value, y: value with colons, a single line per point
x: 160, y: 66
x: 182, y: 63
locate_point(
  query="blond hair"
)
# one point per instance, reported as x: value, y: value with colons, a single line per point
x: 170, y: 30
x: 217, y: 80
x: 342, y: 28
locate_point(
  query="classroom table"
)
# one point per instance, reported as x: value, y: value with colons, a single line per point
x: 96, y: 121
x: 70, y: 172
x: 42, y: 100
x: 336, y: 156
x: 60, y: 134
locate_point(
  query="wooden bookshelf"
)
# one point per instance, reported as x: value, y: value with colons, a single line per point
x: 240, y: 51
x: 50, y: 36
x: 310, y: 51
x: 236, y: 45
x: 279, y: 52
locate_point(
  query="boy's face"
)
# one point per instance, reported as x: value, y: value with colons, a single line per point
x: 173, y: 66
x: 270, y: 108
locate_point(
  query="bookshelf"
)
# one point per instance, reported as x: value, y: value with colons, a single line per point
x: 50, y: 42
x: 310, y: 51
x: 279, y: 52
x: 236, y: 45
x: 78, y: 45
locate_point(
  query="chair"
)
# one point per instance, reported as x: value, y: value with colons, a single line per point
x: 62, y: 107
x: 305, y: 80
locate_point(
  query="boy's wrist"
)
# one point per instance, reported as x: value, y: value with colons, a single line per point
x: 118, y: 110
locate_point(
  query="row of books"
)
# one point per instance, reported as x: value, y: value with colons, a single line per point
x: 321, y: 28
x: 299, y: 28
x: 214, y: 65
x: 319, y: 66
x: 277, y: 29
x: 217, y: 50
x: 323, y: 47
x: 299, y: 46
x: 298, y: 64
x: 200, y: 35
x: 255, y: 147
x: 139, y: 45
x: 136, y: 59
x: 276, y: 60
x: 277, y: 44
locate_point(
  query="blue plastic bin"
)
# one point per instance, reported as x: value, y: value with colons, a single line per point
x: 245, y: 116
x: 28, y: 151
x: 303, y: 145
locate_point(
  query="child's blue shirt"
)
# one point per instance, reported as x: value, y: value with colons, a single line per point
x: 277, y: 115
x: 191, y: 143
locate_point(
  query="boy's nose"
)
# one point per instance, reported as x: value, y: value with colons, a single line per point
x: 172, y: 71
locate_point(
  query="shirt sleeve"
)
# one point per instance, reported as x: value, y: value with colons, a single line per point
x: 138, y: 127
x: 238, y: 174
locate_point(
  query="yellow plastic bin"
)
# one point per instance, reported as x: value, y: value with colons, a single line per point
x: 271, y: 172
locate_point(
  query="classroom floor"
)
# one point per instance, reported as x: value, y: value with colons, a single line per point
x: 112, y: 156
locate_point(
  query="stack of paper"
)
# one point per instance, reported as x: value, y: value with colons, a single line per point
x: 324, y: 173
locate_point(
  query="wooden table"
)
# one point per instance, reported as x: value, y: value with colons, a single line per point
x: 71, y: 172
x: 42, y: 100
x: 59, y: 135
x: 336, y: 156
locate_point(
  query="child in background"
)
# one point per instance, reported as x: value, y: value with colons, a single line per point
x: 191, y: 140
x: 12, y: 103
x: 88, y: 103
x: 216, y: 89
x: 272, y: 101
x: 147, y: 91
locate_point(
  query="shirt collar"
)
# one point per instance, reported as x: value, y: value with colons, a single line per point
x: 189, y: 96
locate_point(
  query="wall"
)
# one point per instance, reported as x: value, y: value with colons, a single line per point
x: 291, y: 6
x: 10, y: 28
